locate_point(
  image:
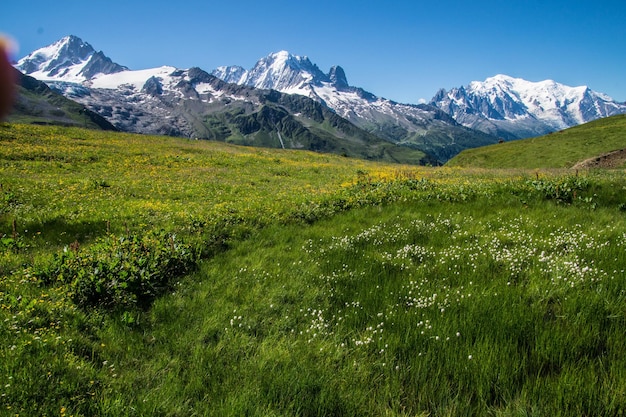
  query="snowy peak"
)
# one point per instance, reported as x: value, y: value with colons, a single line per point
x: 55, y: 58
x: 284, y: 72
x: 537, y: 93
x: 68, y: 59
x: 516, y: 108
x: 280, y: 61
x: 293, y: 74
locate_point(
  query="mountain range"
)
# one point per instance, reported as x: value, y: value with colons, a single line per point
x: 503, y: 106
x: 287, y: 101
x: 513, y: 108
x: 413, y: 125
x: 192, y: 103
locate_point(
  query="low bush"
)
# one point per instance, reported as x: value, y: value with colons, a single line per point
x: 120, y: 272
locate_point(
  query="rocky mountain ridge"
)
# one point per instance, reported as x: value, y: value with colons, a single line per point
x: 127, y: 98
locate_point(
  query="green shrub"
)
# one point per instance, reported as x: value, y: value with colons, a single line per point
x: 121, y: 272
x: 561, y: 189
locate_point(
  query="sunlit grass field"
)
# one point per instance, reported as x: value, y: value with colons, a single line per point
x: 149, y: 276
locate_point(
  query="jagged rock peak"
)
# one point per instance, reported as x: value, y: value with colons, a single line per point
x: 153, y: 87
x: 198, y: 75
x: 439, y: 95
x: 100, y: 64
x: 338, y: 77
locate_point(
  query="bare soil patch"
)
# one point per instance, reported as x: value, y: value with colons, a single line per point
x: 615, y: 159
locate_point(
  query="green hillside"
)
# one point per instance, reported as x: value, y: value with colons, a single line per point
x: 562, y: 149
x: 158, y: 276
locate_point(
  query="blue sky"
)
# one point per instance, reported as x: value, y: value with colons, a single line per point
x: 401, y: 50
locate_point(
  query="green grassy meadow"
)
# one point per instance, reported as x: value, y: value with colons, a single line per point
x: 151, y: 276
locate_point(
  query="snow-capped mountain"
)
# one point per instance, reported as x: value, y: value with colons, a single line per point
x: 294, y: 74
x: 69, y: 59
x: 514, y: 108
x: 282, y: 71
x: 193, y: 103
x: 421, y: 126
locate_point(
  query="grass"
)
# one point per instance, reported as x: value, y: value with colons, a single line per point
x: 71, y: 182
x: 557, y: 150
x: 322, y: 285
x: 391, y: 310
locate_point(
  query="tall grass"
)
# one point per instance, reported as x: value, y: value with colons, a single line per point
x: 335, y: 287
x: 434, y: 309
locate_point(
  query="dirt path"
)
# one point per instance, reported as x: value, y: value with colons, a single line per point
x: 613, y: 159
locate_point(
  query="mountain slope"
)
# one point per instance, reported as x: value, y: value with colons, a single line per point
x: 564, y: 149
x: 195, y: 104
x: 36, y: 103
x: 513, y: 108
x: 418, y: 126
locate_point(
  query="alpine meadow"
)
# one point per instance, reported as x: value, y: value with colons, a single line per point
x: 158, y: 276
